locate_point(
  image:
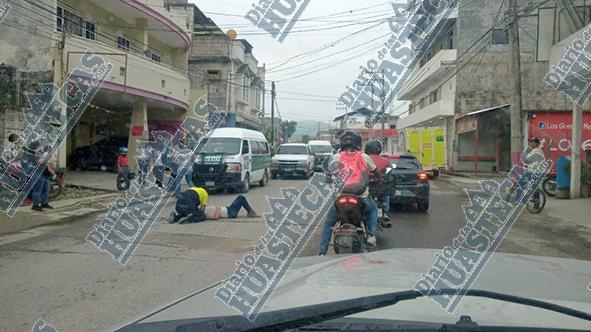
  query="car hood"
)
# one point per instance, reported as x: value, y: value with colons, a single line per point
x: 326, y: 279
x: 290, y: 157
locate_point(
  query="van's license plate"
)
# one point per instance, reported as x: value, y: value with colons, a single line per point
x: 210, y: 183
x: 398, y: 193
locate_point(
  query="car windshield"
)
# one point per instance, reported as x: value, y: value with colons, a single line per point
x: 230, y: 146
x: 406, y: 164
x: 292, y: 149
x: 246, y: 187
x: 320, y: 148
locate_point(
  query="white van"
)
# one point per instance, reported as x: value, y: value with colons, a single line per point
x: 232, y: 159
x: 322, y: 150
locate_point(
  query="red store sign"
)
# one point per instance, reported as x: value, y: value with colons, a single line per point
x: 555, y: 132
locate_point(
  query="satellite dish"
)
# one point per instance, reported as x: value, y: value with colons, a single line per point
x: 232, y: 34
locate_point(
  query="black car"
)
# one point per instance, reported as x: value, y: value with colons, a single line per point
x: 103, y: 153
x: 412, y: 182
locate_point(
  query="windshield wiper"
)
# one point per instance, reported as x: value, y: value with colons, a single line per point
x: 317, y: 313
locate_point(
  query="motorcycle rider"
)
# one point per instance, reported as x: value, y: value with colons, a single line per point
x: 350, y: 145
x: 373, y: 149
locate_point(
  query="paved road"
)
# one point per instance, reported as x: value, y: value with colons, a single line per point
x: 52, y: 273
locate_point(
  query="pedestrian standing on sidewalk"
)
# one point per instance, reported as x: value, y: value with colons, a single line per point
x: 157, y: 156
x: 189, y: 174
x: 143, y: 160
x: 40, y: 191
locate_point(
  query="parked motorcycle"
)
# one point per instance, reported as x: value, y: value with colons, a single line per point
x: 56, y: 186
x: 124, y: 180
x: 549, y: 184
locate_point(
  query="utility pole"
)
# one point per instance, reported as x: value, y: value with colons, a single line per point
x: 273, y: 114
x: 516, y: 116
x: 383, y: 99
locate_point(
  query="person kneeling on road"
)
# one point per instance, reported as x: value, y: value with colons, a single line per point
x: 192, y: 207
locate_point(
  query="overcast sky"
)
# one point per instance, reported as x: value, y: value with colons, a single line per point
x: 326, y: 73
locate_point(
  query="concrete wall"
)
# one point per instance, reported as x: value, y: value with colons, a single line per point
x: 484, y: 81
x: 28, y: 50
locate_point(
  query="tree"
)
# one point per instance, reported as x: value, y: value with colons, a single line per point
x: 288, y: 128
x: 305, y: 139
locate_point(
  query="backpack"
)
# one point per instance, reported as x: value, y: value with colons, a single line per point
x: 357, y: 183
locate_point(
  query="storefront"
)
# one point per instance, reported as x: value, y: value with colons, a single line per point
x: 483, y: 140
x: 555, y: 132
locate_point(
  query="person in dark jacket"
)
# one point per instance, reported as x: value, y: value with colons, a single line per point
x: 190, y: 207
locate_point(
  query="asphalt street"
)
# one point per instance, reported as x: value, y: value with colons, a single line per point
x: 52, y: 273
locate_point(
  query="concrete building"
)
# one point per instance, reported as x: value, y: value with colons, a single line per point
x: 147, y: 43
x: 226, y: 72
x: 357, y: 121
x: 470, y: 95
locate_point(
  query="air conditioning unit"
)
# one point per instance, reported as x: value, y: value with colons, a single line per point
x: 148, y: 54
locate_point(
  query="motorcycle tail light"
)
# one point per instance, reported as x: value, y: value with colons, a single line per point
x: 353, y: 200
x: 348, y: 200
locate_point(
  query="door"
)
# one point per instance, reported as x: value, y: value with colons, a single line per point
x: 246, y: 159
x: 413, y: 145
x: 439, y: 147
x: 427, y: 148
x: 258, y: 166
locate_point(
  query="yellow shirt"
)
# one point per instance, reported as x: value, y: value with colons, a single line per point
x: 203, y: 195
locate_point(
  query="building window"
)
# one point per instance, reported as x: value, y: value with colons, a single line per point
x: 214, y: 75
x: 245, y: 89
x: 500, y: 37
x: 69, y: 22
x: 450, y: 39
x: 163, y: 83
x: 90, y: 30
x: 434, y: 96
x: 156, y: 57
x: 123, y: 43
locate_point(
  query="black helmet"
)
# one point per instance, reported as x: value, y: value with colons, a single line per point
x: 373, y: 147
x: 350, y: 139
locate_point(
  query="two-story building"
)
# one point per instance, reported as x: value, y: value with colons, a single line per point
x: 224, y: 71
x: 463, y: 82
x: 147, y: 44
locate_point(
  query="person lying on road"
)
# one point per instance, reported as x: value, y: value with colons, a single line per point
x: 231, y: 211
x: 192, y: 207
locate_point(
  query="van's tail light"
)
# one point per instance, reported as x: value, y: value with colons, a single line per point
x: 348, y: 200
x: 423, y: 177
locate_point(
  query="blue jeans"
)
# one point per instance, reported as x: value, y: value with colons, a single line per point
x: 371, y: 213
x: 40, y: 191
x: 239, y: 203
x: 386, y: 203
x: 159, y: 175
x: 189, y: 178
x: 143, y: 166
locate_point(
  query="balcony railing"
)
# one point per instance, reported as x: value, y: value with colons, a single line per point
x: 442, y: 108
x: 131, y: 70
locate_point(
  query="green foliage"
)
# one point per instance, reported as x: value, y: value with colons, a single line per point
x: 305, y: 139
x: 288, y: 128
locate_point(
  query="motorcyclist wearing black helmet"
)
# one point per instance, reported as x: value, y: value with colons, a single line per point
x: 351, y: 156
x: 373, y: 149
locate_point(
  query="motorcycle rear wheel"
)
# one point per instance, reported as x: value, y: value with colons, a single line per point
x: 55, y: 189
